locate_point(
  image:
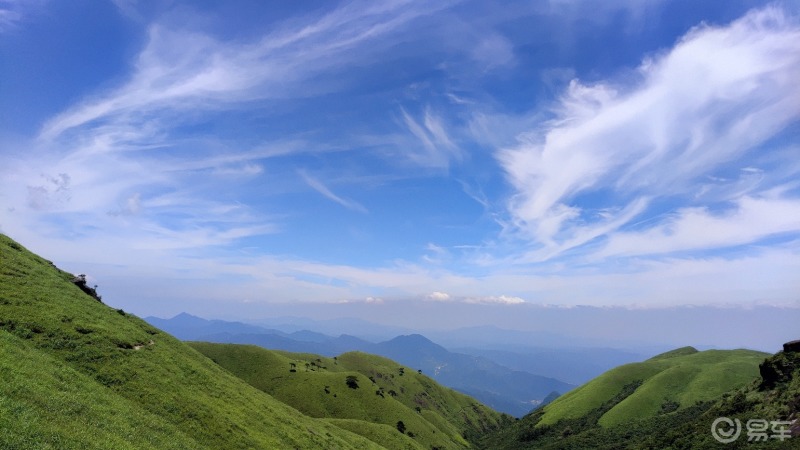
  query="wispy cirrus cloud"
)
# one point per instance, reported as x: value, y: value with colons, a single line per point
x: 14, y: 12
x: 181, y: 69
x: 205, y: 144
x: 719, y: 94
x: 327, y: 193
x: 130, y: 141
x: 438, y: 149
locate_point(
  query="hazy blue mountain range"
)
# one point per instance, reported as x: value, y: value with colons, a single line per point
x: 573, y: 365
x: 511, y: 391
x: 515, y: 392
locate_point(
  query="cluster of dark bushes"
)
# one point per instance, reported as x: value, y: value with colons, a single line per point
x: 80, y: 281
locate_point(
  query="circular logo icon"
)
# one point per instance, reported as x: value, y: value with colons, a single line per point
x: 726, y: 430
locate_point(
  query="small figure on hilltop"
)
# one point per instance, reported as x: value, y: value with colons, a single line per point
x: 80, y: 281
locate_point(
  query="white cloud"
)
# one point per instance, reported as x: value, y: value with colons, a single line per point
x: 246, y: 170
x: 493, y: 51
x: 322, y: 189
x: 181, y: 70
x: 9, y: 17
x: 750, y: 220
x: 719, y: 94
x: 130, y: 167
x: 436, y: 254
x: 136, y: 201
x: 438, y: 148
x: 499, y: 299
x: 439, y: 296
x: 14, y: 12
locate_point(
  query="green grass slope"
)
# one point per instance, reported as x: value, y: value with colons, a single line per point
x: 670, y: 381
x: 774, y: 395
x: 387, y: 393
x: 46, y: 404
x: 75, y: 373
x: 387, y: 435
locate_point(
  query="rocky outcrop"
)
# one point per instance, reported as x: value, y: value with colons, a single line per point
x: 792, y: 347
x: 781, y: 367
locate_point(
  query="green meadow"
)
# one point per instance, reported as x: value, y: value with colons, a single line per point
x: 360, y: 387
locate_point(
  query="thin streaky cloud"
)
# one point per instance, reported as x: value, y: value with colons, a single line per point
x: 438, y: 149
x: 181, y: 69
x: 752, y: 219
x: 327, y: 193
x: 13, y: 13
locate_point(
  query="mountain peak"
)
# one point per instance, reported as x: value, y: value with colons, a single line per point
x: 412, y: 339
x: 688, y: 350
x: 186, y: 316
x: 186, y: 319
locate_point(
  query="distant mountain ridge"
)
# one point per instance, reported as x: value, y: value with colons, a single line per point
x: 511, y: 391
x: 492, y: 383
x: 188, y: 327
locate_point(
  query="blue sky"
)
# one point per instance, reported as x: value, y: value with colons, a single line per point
x: 620, y: 153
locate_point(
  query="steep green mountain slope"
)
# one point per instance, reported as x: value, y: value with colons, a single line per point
x: 773, y: 396
x: 666, y: 382
x: 75, y: 373
x: 44, y: 403
x: 373, y: 393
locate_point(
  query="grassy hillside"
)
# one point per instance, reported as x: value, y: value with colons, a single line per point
x: 775, y: 398
x: 78, y: 374
x: 667, y: 382
x: 44, y: 403
x: 364, y: 388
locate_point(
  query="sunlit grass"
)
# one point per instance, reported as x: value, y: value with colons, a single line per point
x: 386, y: 392
x: 684, y: 376
x: 79, y: 374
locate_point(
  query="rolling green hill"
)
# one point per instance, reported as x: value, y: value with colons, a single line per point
x: 359, y: 387
x: 773, y: 396
x: 666, y: 382
x: 75, y: 373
